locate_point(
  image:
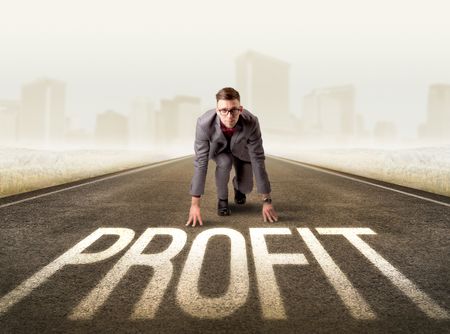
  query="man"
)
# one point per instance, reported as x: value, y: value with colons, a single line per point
x: 230, y: 135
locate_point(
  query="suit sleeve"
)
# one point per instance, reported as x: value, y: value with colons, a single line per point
x: 201, y: 148
x: 257, y: 157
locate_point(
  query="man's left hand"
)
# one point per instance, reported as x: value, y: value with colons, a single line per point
x: 269, y: 213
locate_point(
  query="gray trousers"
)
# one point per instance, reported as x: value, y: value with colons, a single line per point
x: 243, y: 180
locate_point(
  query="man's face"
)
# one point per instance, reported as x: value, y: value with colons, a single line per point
x: 229, y: 119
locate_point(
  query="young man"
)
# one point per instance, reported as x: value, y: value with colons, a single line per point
x: 230, y: 135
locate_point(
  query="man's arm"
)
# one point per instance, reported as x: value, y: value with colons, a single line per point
x: 257, y: 157
x: 201, y: 148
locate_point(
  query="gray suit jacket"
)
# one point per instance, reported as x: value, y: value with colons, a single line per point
x: 246, y: 144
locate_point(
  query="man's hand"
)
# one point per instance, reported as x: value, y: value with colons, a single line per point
x: 194, y: 216
x: 269, y: 213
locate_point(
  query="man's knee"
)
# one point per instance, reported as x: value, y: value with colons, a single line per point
x: 224, y: 161
x: 244, y: 182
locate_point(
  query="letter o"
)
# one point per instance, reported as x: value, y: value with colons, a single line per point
x: 188, y: 294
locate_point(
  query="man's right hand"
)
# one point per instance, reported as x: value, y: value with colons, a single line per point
x: 194, y: 216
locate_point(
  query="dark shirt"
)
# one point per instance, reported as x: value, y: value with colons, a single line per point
x: 228, y: 134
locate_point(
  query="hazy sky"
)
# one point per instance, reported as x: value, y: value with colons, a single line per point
x: 110, y: 51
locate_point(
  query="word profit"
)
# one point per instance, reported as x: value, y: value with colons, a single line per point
x: 188, y: 296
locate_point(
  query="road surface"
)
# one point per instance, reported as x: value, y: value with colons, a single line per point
x: 112, y: 254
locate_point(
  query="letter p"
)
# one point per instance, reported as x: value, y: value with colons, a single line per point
x: 72, y: 256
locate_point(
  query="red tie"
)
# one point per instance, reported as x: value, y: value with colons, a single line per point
x: 227, y: 131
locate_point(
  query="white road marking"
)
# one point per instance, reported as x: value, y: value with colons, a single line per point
x: 188, y: 295
x: 269, y: 293
x: 147, y: 306
x: 421, y: 299
x: 186, y: 157
x: 95, y: 181
x: 358, y: 180
x: 354, y: 302
x: 72, y: 256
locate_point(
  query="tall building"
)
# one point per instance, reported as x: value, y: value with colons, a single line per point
x: 9, y: 110
x: 177, y: 120
x: 41, y: 121
x: 142, y: 123
x: 330, y: 113
x: 437, y: 125
x: 263, y: 83
x: 189, y: 109
x: 167, y: 120
x: 111, y: 130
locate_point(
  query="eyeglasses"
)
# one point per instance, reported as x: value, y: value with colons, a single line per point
x: 233, y: 111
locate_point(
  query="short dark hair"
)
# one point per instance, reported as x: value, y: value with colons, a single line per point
x: 228, y: 93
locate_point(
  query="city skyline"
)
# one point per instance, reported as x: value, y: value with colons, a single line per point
x: 76, y: 118
x: 328, y: 115
x: 161, y: 49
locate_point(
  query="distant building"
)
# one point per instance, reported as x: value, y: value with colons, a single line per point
x: 189, y: 109
x: 177, y: 120
x: 329, y: 113
x: 360, y: 130
x: 142, y: 123
x: 437, y: 125
x: 167, y: 120
x: 385, y: 132
x: 41, y: 121
x: 111, y: 130
x: 9, y: 111
x: 263, y: 83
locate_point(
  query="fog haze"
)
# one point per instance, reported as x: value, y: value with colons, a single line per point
x: 110, y: 52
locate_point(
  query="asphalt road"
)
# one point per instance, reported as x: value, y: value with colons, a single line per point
x: 355, y: 257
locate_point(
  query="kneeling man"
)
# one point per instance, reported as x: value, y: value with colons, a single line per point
x: 230, y: 135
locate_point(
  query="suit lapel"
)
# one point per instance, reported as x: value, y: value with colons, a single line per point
x: 218, y: 135
x: 237, y: 133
